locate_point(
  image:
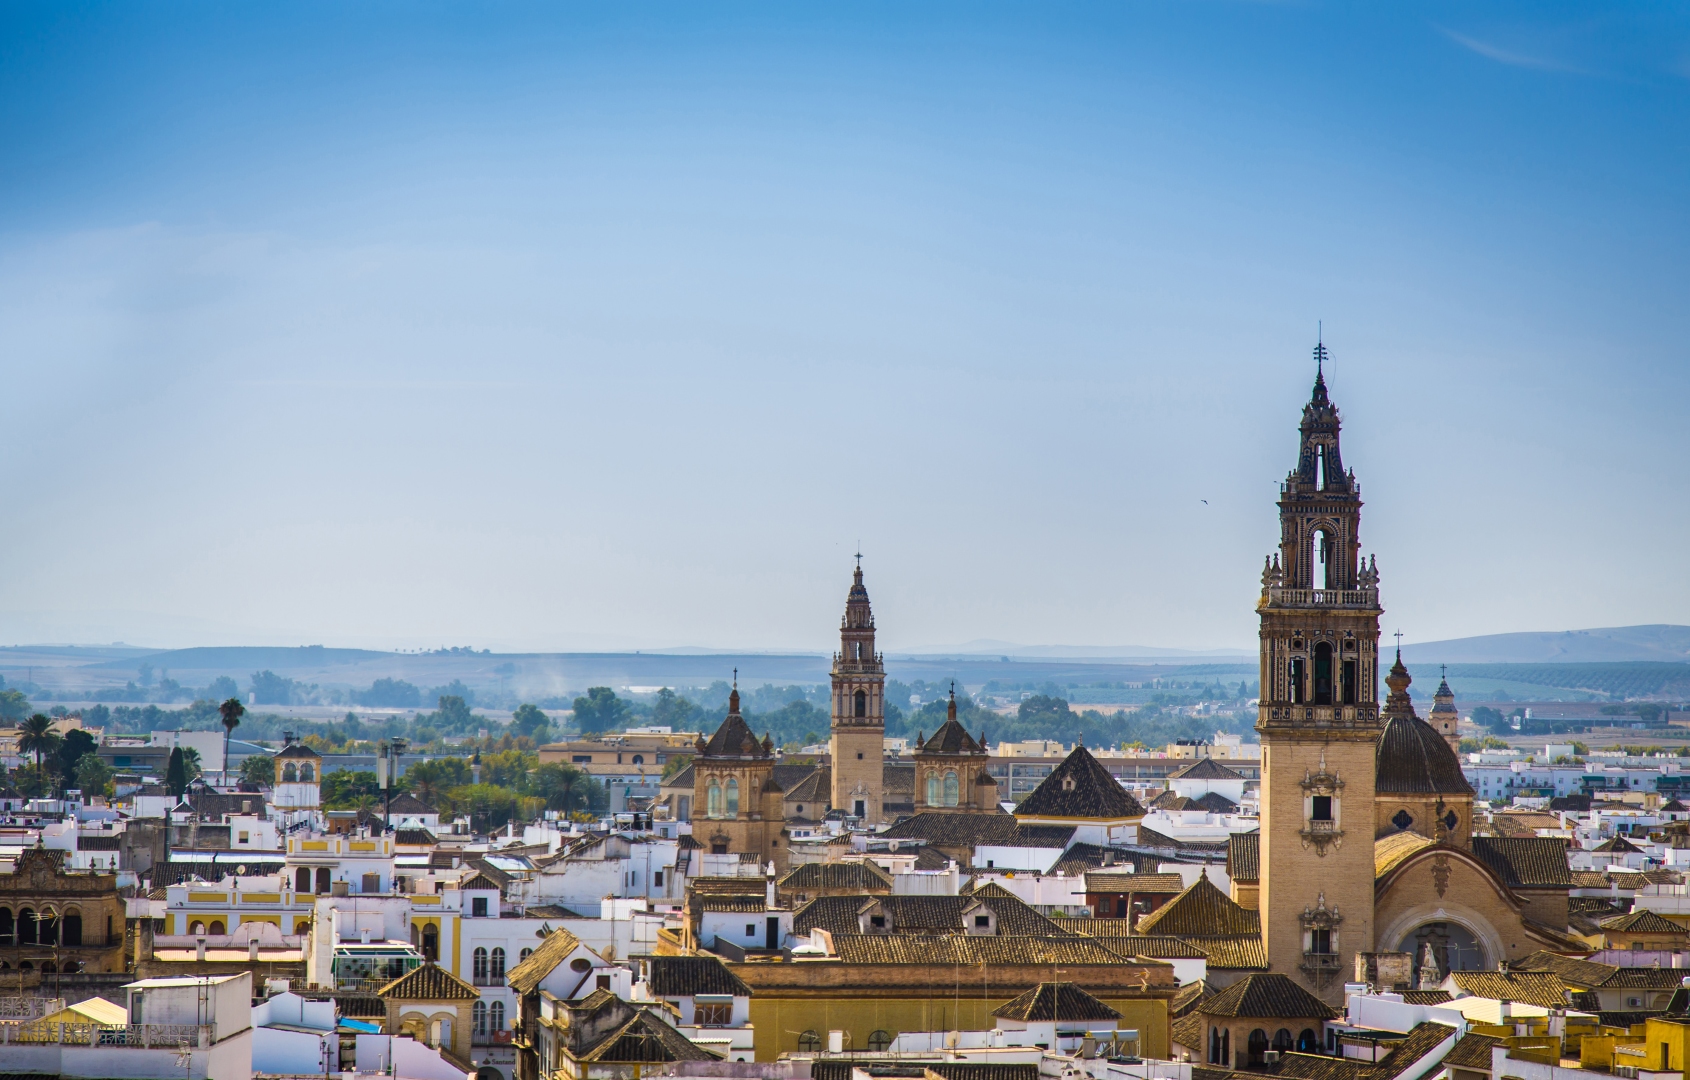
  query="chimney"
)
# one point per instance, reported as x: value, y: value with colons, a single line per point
x: 364, y: 936
x: 199, y: 950
x: 252, y: 950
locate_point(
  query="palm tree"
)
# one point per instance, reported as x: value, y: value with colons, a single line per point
x: 232, y: 711
x: 38, y: 738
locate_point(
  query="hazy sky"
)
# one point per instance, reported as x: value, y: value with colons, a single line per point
x: 590, y: 325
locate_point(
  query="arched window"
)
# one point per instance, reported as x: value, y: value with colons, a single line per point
x: 496, y: 1016
x: 8, y: 929
x: 933, y: 795
x: 523, y: 955
x: 71, y: 934
x: 1308, y: 1042
x: 302, y: 879
x: 952, y: 790
x: 733, y: 798
x: 478, y: 963
x: 713, y: 800
x: 307, y: 773
x: 216, y: 928
x: 431, y: 942
x: 290, y: 774
x: 323, y: 887
x: 809, y: 1042
x: 496, y: 964
x: 1323, y: 673
x: 1282, y: 1040
x: 1257, y: 1046
x: 196, y: 927
x: 1299, y: 691
x: 49, y: 923
x: 879, y: 1040
x: 639, y: 759
x: 1214, y: 1046
x: 478, y: 1015
x: 861, y: 703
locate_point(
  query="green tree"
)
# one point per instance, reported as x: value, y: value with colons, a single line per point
x: 13, y: 705
x: 93, y: 776
x: 230, y: 712
x: 74, y: 745
x: 268, y: 688
x: 563, y: 787
x: 191, y: 759
x: 176, y: 773
x: 1044, y: 709
x: 600, y: 710
x: 530, y: 721
x: 259, y: 771
x: 342, y: 788
x: 38, y: 737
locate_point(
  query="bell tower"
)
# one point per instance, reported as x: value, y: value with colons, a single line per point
x: 1319, y: 716
x: 859, y: 710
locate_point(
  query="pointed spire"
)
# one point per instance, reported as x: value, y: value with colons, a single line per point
x: 950, y: 710
x: 733, y: 696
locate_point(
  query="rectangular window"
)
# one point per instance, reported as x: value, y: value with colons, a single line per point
x: 245, y: 838
x: 582, y: 759
x: 1351, y: 688
x: 1320, y: 941
x: 657, y: 879
x: 478, y: 907
x: 751, y: 930
x: 1296, y: 680
x: 1322, y: 808
x: 713, y: 1013
x: 982, y: 920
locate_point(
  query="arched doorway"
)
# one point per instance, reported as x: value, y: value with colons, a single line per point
x: 1445, y: 947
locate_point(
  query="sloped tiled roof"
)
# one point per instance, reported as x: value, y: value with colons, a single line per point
x: 406, y: 803
x: 415, y: 837
x: 1524, y: 862
x: 1412, y: 758
x: 1617, y: 843
x: 646, y: 1038
x: 1055, y: 1001
x: 1078, y: 859
x: 685, y: 976
x: 920, y: 914
x: 735, y: 739
x: 430, y: 982
x: 1473, y: 1052
x: 1201, y: 911
x: 1191, y: 995
x: 969, y: 949
x: 1573, y: 971
x: 954, y: 829
x: 1014, y: 915
x: 1642, y: 922
x: 951, y: 738
x: 814, y: 788
x: 525, y: 978
x: 1079, y: 788
x: 1397, y: 848
x: 1423, y: 1039
x: 1244, y: 856
x: 1589, y: 879
x: 297, y: 750
x: 1269, y: 994
x: 1241, y: 952
x: 861, y: 876
x: 1204, y: 769
x: 1427, y: 997
x: 1101, y: 881
x: 1543, y: 989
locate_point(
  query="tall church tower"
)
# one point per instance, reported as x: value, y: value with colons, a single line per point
x: 859, y: 710
x: 1319, y: 716
x: 1446, y: 720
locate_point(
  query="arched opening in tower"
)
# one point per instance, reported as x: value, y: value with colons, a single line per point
x: 1323, y: 673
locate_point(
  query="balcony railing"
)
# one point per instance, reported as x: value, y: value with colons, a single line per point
x: 1322, y: 961
x: 138, y: 1036
x: 487, y: 980
x: 1331, y: 598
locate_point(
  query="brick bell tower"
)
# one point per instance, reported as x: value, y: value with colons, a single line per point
x: 859, y: 710
x: 1319, y: 716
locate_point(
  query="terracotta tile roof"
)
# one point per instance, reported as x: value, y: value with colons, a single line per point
x: 1243, y: 953
x: 551, y: 911
x: 1572, y: 971
x: 922, y: 914
x: 931, y: 859
x: 1244, y: 857
x: 1270, y: 995
x: 1079, y: 788
x: 1014, y: 915
x: 976, y: 1070
x: 1589, y: 879
x: 1617, y: 843
x: 1188, y: 1031
x: 1642, y: 922
x: 1190, y: 996
x: 406, y: 803
x: 1524, y: 862
x: 1079, y: 858
x: 1202, y: 910
x: 954, y: 829
x: 415, y: 837
x: 1055, y: 1001
x: 646, y: 1038
x: 862, y: 876
x: 479, y: 880
x: 1413, y: 759
x: 1321, y: 1067
x: 430, y: 982
x: 1646, y: 978
x: 968, y: 949
x: 685, y: 976
x: 525, y: 978
x: 1543, y: 989
x: 1427, y: 997
x: 814, y: 788
x: 297, y: 750
x: 734, y: 739
x: 1153, y: 948
x: 745, y: 904
x: 1114, y: 882
x: 1204, y: 769
x: 725, y: 886
x: 1397, y: 848
x: 1423, y: 1039
x: 1473, y: 1052
x: 951, y: 738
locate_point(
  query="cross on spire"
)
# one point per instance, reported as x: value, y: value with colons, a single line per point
x: 1399, y: 644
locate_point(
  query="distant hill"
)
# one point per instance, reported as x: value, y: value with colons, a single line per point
x: 1664, y: 643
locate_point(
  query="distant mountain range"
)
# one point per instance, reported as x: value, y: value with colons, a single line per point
x: 1660, y: 642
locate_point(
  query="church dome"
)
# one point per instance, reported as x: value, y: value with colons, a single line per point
x: 1413, y: 759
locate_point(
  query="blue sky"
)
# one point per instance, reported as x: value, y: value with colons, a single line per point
x: 598, y: 326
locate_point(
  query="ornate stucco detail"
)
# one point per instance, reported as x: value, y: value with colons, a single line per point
x: 1321, y: 818
x: 1321, y: 957
x: 1440, y: 874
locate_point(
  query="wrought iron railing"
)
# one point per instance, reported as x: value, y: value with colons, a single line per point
x: 142, y: 1036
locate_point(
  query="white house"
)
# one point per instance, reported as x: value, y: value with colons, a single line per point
x: 291, y: 1035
